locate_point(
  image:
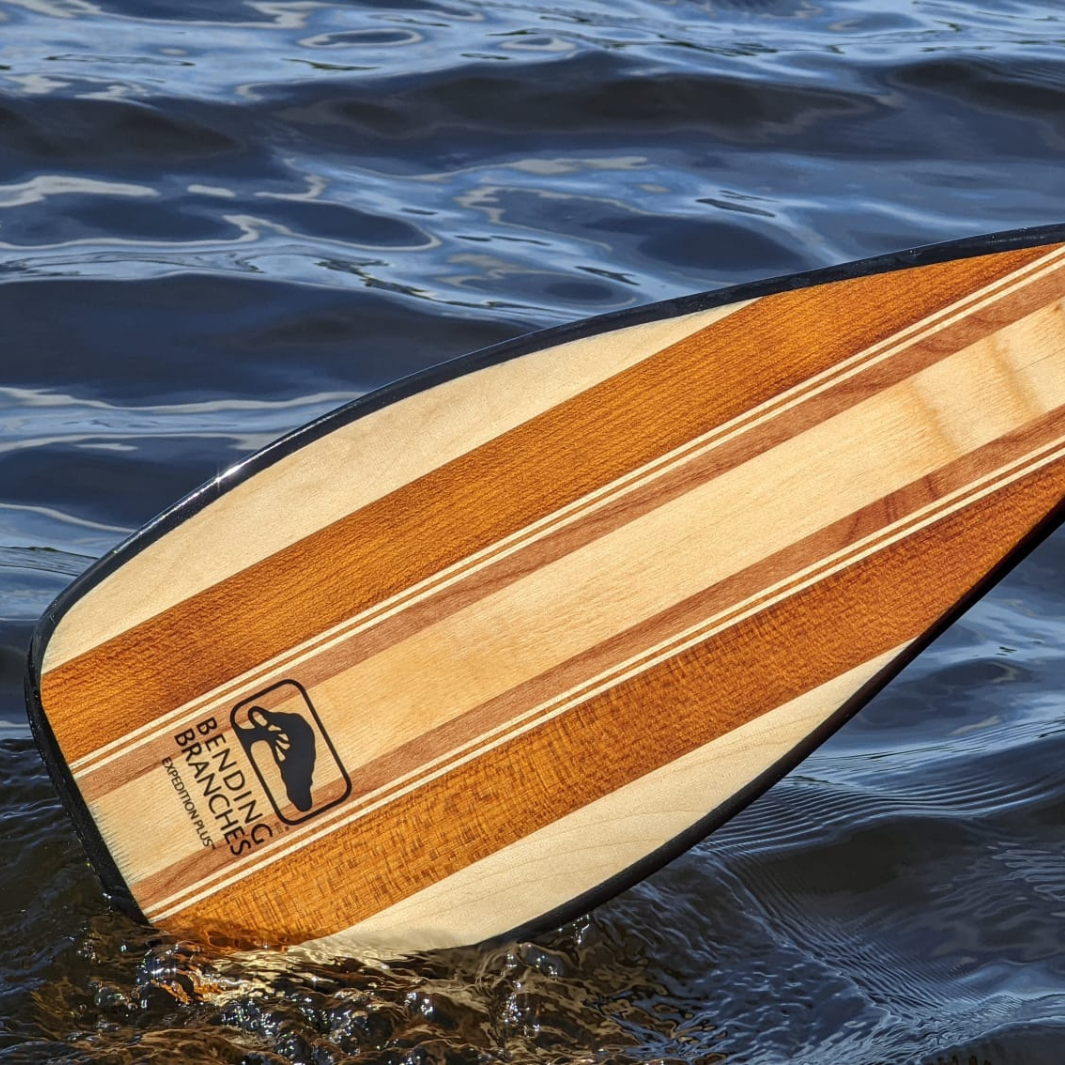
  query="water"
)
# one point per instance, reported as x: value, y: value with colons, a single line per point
x: 219, y: 220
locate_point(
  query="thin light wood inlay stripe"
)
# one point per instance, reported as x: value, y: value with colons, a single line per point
x: 488, y: 497
x: 529, y: 782
x: 731, y: 445
x: 601, y: 839
x: 507, y: 723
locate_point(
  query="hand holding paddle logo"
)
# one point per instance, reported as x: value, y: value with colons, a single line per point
x: 283, y: 736
x: 291, y: 742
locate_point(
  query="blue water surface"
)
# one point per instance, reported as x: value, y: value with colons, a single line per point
x: 220, y: 220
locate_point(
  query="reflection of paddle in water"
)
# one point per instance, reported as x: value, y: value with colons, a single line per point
x: 292, y: 744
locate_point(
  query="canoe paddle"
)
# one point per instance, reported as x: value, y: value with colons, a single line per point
x: 474, y: 652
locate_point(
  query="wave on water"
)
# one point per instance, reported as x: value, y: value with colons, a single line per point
x: 218, y: 221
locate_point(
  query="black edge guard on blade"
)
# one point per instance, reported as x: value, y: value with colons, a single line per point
x: 927, y: 255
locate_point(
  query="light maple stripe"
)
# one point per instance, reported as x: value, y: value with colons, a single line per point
x: 1052, y: 369
x: 475, y: 724
x: 378, y: 455
x: 605, y: 496
x: 601, y: 839
x: 654, y: 656
x: 724, y: 593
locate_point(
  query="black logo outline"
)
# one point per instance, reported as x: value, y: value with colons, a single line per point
x: 246, y: 742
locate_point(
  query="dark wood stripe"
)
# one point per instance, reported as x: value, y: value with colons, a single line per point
x: 489, y: 493
x: 638, y: 726
x: 735, y: 589
x: 675, y: 483
x: 721, y: 596
x: 620, y: 649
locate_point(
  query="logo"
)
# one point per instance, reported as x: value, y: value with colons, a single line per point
x: 293, y: 757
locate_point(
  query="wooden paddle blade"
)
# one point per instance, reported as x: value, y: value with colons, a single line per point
x: 481, y: 649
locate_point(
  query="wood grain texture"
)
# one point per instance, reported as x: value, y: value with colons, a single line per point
x: 487, y: 493
x: 605, y: 837
x: 710, y: 534
x: 512, y: 790
x: 377, y: 454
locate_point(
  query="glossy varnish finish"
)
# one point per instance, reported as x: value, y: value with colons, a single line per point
x: 555, y: 612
